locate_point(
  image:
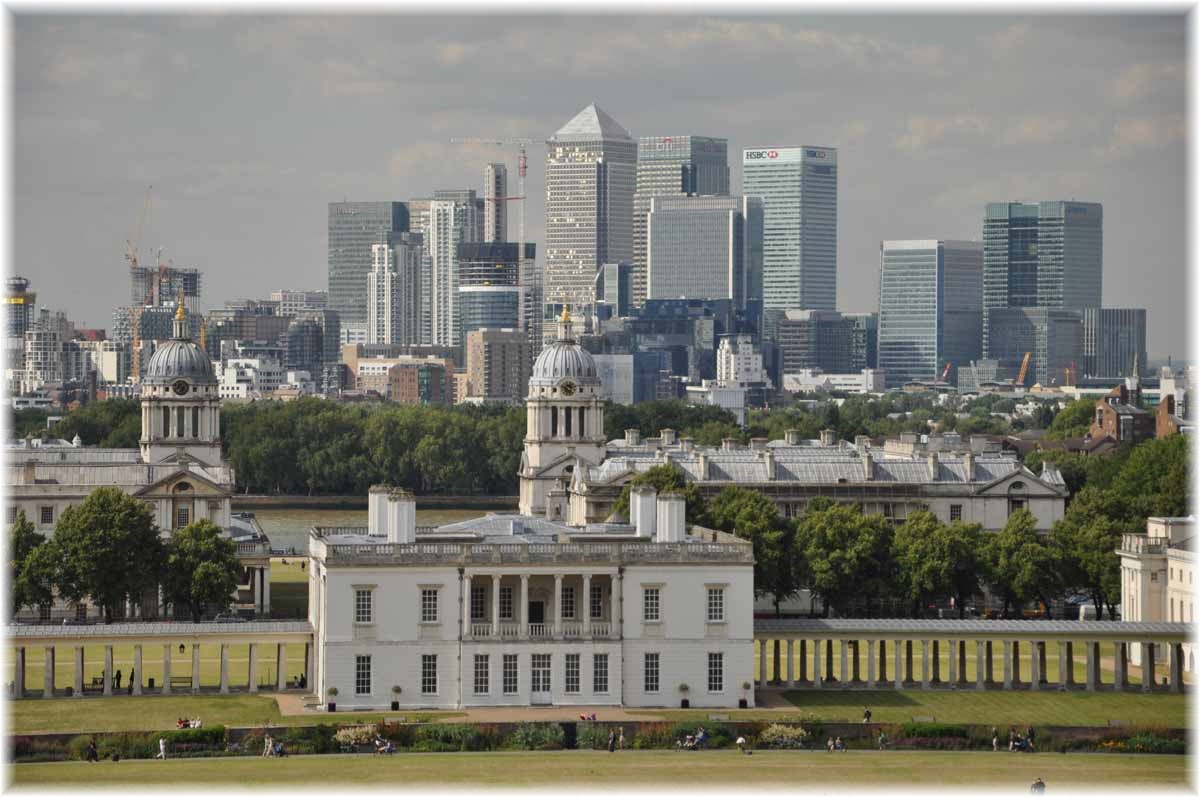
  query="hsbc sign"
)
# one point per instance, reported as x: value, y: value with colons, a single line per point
x: 777, y: 155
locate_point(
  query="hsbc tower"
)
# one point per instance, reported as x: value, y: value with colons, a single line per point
x: 798, y: 187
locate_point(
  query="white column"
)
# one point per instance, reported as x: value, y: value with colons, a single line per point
x: 267, y: 589
x: 48, y: 675
x: 19, y: 673
x: 871, y: 663
x: 558, y: 605
x: 817, y: 662
x: 1062, y: 665
x: 1008, y: 664
x: 1035, y: 669
x: 619, y: 596
x: 224, y: 668
x: 1148, y: 664
x: 310, y: 667
x: 583, y: 604
x: 898, y: 664
x: 1175, y: 651
x: 136, y: 675
x: 524, y: 606
x: 280, y: 666
x: 844, y: 677
x: 468, y: 619
x: 108, y: 670
x: 253, y: 674
x: 790, y: 667
x: 924, y: 663
x: 1093, y: 667
x: 166, y: 674
x: 195, y: 667
x: 78, y: 690
x: 979, y: 664
x: 496, y: 606
x: 953, y: 663
x: 762, y: 662
x: 1119, y: 665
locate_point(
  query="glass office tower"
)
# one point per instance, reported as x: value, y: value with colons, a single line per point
x: 798, y: 187
x: 354, y: 227
x: 929, y: 308
x: 703, y: 247
x: 489, y: 286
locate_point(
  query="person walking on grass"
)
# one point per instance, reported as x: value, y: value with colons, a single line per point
x: 866, y: 715
x: 118, y: 684
x: 621, y: 738
x: 612, y: 740
x: 92, y: 755
x: 268, y: 746
x: 162, y: 748
x: 995, y: 739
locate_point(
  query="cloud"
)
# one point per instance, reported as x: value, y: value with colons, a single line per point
x: 1011, y: 38
x: 1139, y: 80
x: 925, y: 130
x: 336, y: 78
x: 1037, y: 130
x: 1134, y: 134
x: 453, y: 53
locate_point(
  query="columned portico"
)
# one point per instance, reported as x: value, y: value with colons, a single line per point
x: 77, y: 690
x: 136, y: 677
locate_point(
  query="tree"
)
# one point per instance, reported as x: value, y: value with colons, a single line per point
x: 1021, y: 567
x: 755, y: 517
x: 843, y: 554
x: 202, y: 568
x: 110, y: 550
x: 1073, y: 420
x: 965, y: 545
x: 40, y: 573
x: 31, y: 585
x: 667, y: 478
x: 921, y: 550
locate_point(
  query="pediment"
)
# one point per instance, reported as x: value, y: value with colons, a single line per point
x: 1033, y: 485
x: 201, y: 486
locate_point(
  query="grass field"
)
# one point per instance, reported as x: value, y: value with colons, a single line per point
x: 68, y: 715
x: 628, y: 769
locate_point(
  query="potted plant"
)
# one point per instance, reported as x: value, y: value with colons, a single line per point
x: 745, y: 701
x: 396, y: 698
x: 332, y: 705
x: 684, y: 702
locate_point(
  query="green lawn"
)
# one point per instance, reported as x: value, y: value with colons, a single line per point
x: 68, y: 715
x: 628, y: 769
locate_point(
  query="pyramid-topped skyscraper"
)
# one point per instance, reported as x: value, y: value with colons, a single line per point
x: 591, y: 168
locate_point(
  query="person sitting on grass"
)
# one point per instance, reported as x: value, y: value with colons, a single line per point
x: 829, y: 744
x: 839, y: 745
x: 701, y: 737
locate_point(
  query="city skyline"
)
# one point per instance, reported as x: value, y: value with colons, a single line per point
x: 269, y: 136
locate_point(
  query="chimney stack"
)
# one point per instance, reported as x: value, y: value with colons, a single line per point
x: 633, y: 437
x: 729, y: 444
x: 862, y: 442
x: 868, y: 466
x: 828, y: 438
x: 402, y: 517
x: 642, y: 509
x: 703, y: 468
x: 667, y: 436
x: 933, y: 466
x: 672, y: 513
x: 769, y: 459
x: 758, y: 443
x: 792, y: 437
x: 969, y: 466
x: 377, y: 519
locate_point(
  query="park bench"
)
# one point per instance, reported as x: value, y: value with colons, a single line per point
x: 181, y: 682
x: 98, y: 680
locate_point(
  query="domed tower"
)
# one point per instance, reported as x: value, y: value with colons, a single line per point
x: 564, y: 418
x: 181, y: 403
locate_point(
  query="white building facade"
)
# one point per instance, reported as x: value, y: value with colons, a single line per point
x: 1158, y: 570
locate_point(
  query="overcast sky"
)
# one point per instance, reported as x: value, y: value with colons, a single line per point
x: 247, y: 127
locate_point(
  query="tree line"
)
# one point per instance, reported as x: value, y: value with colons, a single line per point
x: 851, y: 560
x: 108, y: 549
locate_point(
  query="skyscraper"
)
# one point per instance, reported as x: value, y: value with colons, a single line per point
x: 489, y: 287
x: 929, y: 308
x: 19, y: 306
x: 495, y: 187
x: 1052, y: 337
x: 1114, y: 340
x: 590, y: 173
x: 703, y: 247
x: 394, y: 290
x: 1044, y: 254
x: 353, y: 228
x: 798, y: 187
x: 673, y: 166
x: 455, y: 217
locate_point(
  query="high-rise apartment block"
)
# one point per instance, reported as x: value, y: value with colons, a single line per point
x: 798, y: 188
x: 489, y: 287
x: 930, y: 303
x: 495, y: 191
x: 816, y: 339
x: 673, y: 166
x: 394, y: 290
x: 704, y: 247
x: 1044, y: 254
x: 354, y: 227
x: 455, y: 217
x: 591, y: 165
x: 498, y: 364
x: 19, y: 306
x: 292, y: 302
x: 1114, y: 342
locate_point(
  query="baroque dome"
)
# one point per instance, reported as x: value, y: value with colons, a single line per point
x: 179, y: 359
x: 562, y: 359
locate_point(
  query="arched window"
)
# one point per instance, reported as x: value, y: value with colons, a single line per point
x: 179, y: 422
x: 166, y: 418
x: 582, y: 423
x: 195, y: 421
x: 554, y: 421
x: 566, y: 421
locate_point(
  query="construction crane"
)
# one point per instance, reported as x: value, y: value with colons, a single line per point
x: 945, y: 373
x: 522, y: 163
x: 1024, y: 369
x: 135, y: 313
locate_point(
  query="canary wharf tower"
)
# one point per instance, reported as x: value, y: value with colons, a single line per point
x: 591, y: 167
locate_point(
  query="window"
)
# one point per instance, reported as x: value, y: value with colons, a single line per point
x: 716, y: 672
x: 1154, y: 577
x: 12, y: 514
x: 47, y: 514
x: 716, y: 604
x: 477, y: 603
x: 166, y: 420
x: 600, y: 673
x: 506, y: 603
x: 44, y: 612
x: 510, y: 671
x: 572, y: 674
x: 568, y: 607
x: 429, y: 684
x: 539, y: 671
x: 597, y: 601
x: 482, y: 687
x: 955, y: 512
x: 650, y: 604
x: 195, y: 421
x: 181, y: 517
x: 429, y: 605
x: 362, y: 606
x: 1015, y: 505
x: 362, y: 675
x: 650, y: 672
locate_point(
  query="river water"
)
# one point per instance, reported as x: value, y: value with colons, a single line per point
x: 288, y: 527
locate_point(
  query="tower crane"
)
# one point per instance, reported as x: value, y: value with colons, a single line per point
x: 522, y: 162
x: 135, y: 313
x: 1024, y: 369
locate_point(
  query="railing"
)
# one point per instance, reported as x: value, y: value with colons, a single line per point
x: 539, y: 631
x: 510, y: 630
x: 252, y: 548
x: 572, y: 630
x: 601, y: 630
x: 449, y: 553
x: 1140, y: 543
x: 481, y: 629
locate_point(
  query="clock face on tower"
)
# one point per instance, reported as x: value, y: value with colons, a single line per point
x: 180, y: 387
x: 568, y: 388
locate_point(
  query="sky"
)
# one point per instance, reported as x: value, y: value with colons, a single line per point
x: 247, y: 126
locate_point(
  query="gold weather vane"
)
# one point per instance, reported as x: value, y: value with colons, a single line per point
x: 180, y: 314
